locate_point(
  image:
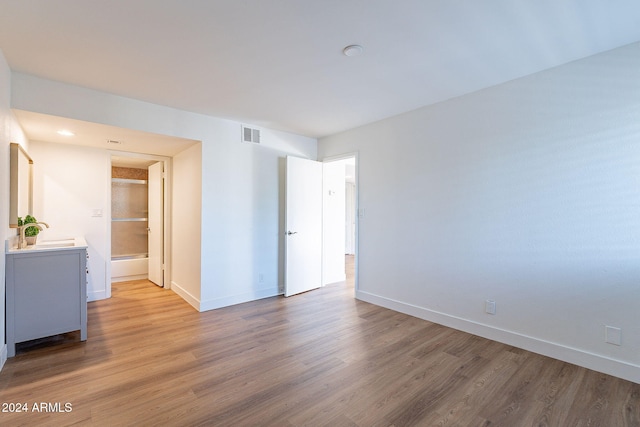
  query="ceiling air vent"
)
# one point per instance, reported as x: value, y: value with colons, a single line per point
x: 250, y: 135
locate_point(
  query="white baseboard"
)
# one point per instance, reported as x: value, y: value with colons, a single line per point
x: 238, y: 299
x: 3, y: 356
x: 185, y: 295
x: 334, y: 279
x: 221, y: 302
x: 95, y: 296
x: 617, y: 368
x: 129, y: 278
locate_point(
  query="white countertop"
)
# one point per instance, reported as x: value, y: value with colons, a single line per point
x: 51, y: 245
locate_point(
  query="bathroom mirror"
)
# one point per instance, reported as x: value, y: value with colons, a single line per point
x: 21, y: 183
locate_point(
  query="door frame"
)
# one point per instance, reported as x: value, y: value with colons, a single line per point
x: 155, y: 169
x: 166, y: 220
x: 355, y: 155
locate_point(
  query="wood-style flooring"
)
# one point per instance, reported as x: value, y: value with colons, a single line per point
x: 317, y: 359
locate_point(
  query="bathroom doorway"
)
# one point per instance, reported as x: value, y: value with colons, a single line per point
x: 138, y: 212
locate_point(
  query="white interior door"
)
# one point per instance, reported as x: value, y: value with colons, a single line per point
x: 303, y: 226
x: 155, y: 224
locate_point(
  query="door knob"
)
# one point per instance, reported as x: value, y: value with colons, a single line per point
x: 289, y: 233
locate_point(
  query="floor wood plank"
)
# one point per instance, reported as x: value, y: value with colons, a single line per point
x: 317, y: 359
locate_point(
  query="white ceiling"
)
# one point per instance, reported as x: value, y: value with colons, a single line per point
x: 279, y: 63
x: 42, y: 127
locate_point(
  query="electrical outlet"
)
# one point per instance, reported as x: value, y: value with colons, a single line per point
x: 490, y: 306
x: 613, y: 335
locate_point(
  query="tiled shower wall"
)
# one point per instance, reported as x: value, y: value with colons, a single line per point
x: 129, y: 212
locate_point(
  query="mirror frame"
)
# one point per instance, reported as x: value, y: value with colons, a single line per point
x: 15, y: 155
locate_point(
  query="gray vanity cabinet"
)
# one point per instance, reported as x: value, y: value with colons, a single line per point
x: 46, y: 294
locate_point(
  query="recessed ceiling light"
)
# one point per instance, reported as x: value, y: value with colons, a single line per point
x: 352, y: 50
x: 65, y: 132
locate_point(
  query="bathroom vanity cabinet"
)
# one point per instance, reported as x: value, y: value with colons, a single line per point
x: 46, y: 293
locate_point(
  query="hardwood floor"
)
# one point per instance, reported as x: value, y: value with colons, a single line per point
x: 317, y: 359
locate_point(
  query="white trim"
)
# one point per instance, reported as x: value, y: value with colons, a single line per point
x: 339, y: 157
x: 185, y: 295
x: 98, y: 295
x: 596, y: 362
x: 238, y: 299
x: 356, y: 259
x: 3, y: 356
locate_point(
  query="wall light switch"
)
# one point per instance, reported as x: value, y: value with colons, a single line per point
x: 96, y: 213
x: 361, y: 213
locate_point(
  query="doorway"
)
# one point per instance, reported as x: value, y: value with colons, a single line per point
x: 339, y: 219
x: 319, y: 221
x: 138, y: 209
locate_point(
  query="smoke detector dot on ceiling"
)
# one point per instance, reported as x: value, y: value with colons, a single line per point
x: 353, y: 50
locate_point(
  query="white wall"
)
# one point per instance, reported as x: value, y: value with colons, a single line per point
x: 242, y: 216
x: 70, y: 182
x: 527, y: 193
x: 186, y: 220
x: 241, y: 184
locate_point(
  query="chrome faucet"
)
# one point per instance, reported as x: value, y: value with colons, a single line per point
x: 22, y: 241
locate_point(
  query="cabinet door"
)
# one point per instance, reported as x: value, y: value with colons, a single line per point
x: 47, y: 294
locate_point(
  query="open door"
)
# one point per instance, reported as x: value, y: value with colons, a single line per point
x: 303, y: 222
x: 155, y: 227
